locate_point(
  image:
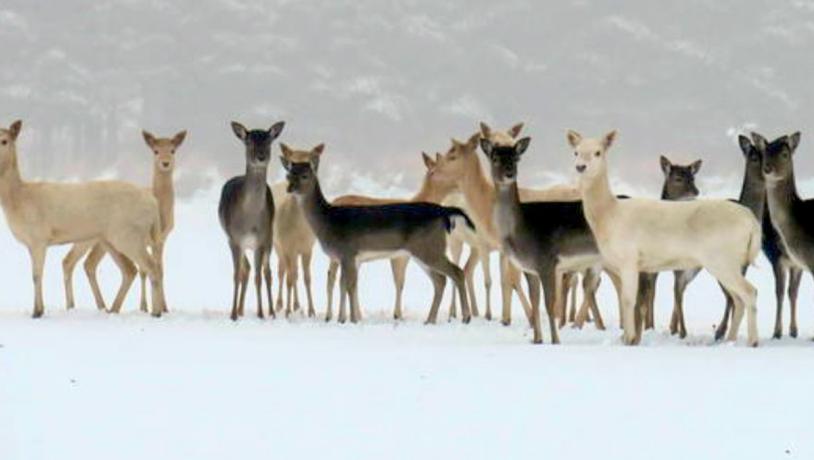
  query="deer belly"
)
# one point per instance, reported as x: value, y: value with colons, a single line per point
x: 366, y: 256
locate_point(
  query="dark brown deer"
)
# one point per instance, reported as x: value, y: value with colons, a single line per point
x: 352, y: 234
x: 246, y: 213
x: 679, y: 185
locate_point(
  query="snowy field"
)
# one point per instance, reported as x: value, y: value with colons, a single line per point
x: 82, y: 384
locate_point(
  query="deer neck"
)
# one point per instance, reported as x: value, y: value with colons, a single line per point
x: 597, y: 199
x: 753, y: 195
x: 507, y: 213
x: 164, y: 192
x: 315, y: 208
x: 479, y: 193
x: 430, y: 193
x: 782, y: 197
x: 10, y: 185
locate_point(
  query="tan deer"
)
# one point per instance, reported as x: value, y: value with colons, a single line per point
x: 293, y: 242
x: 41, y: 214
x: 163, y: 150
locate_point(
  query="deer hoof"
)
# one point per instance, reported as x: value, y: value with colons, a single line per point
x: 506, y: 322
x: 37, y: 314
x: 793, y: 332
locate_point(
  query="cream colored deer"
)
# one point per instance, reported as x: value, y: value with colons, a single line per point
x: 41, y: 214
x: 434, y: 189
x: 642, y: 235
x: 293, y: 242
x: 461, y: 164
x: 163, y: 190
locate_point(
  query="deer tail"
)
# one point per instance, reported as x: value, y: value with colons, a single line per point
x: 454, y: 216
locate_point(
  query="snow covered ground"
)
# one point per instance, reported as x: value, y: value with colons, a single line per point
x: 82, y: 384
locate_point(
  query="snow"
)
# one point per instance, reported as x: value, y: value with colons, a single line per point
x: 83, y: 384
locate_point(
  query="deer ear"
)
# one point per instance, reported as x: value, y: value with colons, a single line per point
x: 487, y: 146
x: 514, y: 131
x: 574, y: 138
x: 286, y: 162
x: 178, y: 139
x: 286, y: 150
x: 437, y: 157
x: 319, y: 149
x: 607, y: 141
x: 472, y: 143
x: 665, y: 164
x: 276, y: 129
x: 15, y: 129
x: 745, y: 144
x: 759, y: 142
x: 428, y: 162
x: 695, y: 166
x: 239, y: 130
x: 149, y: 139
x: 485, y: 130
x: 522, y: 145
x: 793, y: 141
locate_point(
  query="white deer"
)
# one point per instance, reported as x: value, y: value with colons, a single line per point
x: 41, y: 214
x: 642, y: 235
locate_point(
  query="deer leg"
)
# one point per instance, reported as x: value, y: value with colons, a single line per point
x: 259, y: 258
x: 245, y: 270
x: 306, y: 276
x: 267, y: 276
x: 743, y: 297
x: 439, y: 281
x: 294, y: 273
x: 143, y: 291
x: 795, y: 275
x: 570, y: 282
x: 90, y: 266
x: 534, y: 295
x: 722, y: 328
x: 469, y: 277
x: 518, y: 288
x: 128, y: 271
x: 455, y: 246
x: 505, y: 290
x: 629, y: 278
x: 134, y: 248
x: 348, y: 280
x: 398, y: 265
x: 289, y: 283
x: 550, y: 279
x: 68, y: 264
x: 485, y: 265
x: 779, y: 292
x: 331, y: 281
x: 37, y: 254
x: 237, y: 263
x: 281, y: 274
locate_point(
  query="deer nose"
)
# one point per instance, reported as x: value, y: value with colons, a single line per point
x: 580, y: 168
x: 165, y: 163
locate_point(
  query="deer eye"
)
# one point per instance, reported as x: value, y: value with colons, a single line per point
x: 576, y: 154
x: 597, y: 153
x: 172, y: 151
x: 155, y: 151
x: 4, y: 142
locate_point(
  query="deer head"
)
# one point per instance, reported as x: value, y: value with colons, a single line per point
x: 679, y: 180
x: 590, y: 154
x: 301, y: 167
x: 776, y: 156
x: 503, y: 159
x: 8, y: 146
x: 257, y: 142
x: 164, y: 149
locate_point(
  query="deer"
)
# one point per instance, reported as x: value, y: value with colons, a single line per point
x: 433, y: 189
x: 246, y: 214
x: 122, y: 216
x: 353, y: 234
x: 545, y: 239
x: 163, y: 150
x: 461, y: 164
x: 790, y: 217
x: 637, y: 235
x: 753, y: 196
x: 679, y: 185
x: 294, y: 245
